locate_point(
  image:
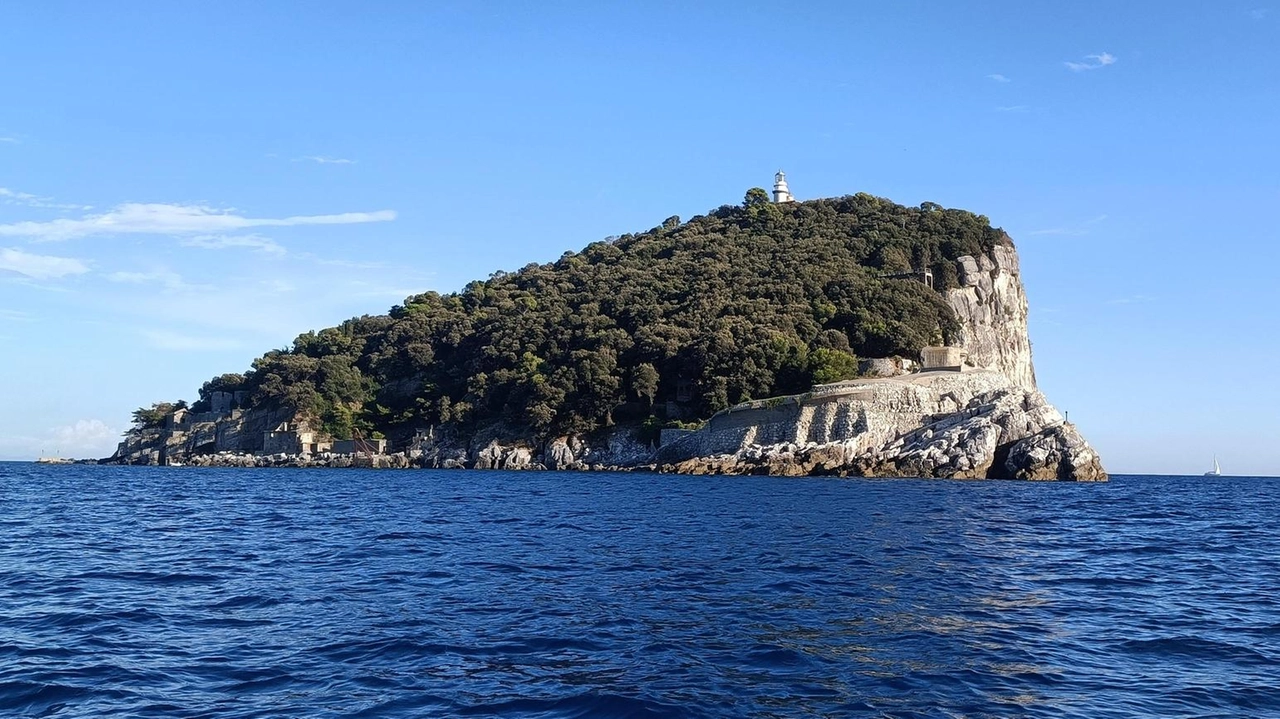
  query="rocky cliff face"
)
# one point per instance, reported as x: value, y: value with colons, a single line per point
x: 186, y: 435
x: 992, y: 308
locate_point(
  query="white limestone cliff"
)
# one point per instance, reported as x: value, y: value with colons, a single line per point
x: 991, y: 306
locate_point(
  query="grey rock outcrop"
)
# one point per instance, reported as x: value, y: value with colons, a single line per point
x: 560, y: 453
x: 496, y: 456
x: 1058, y: 452
x: 971, y: 425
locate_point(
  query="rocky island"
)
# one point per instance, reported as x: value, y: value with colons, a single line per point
x: 846, y: 336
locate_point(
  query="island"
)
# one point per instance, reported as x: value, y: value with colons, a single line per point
x: 847, y: 336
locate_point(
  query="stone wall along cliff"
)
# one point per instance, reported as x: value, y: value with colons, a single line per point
x: 970, y: 425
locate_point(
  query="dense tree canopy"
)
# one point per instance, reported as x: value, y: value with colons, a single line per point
x: 746, y: 302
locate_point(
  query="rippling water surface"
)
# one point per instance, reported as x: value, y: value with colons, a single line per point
x: 299, y: 593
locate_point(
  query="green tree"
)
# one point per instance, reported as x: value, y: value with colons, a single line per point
x: 755, y: 196
x: 830, y: 365
x: 644, y: 381
x: 153, y: 416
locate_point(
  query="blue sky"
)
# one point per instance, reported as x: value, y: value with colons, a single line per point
x: 185, y: 188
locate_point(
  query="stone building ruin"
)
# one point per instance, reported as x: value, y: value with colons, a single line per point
x: 943, y: 359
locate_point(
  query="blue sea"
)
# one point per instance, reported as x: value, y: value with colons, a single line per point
x: 152, y: 592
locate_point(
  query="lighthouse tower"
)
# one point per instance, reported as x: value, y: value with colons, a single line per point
x: 780, y: 191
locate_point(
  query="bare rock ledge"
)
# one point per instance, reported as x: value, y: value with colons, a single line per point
x: 970, y: 425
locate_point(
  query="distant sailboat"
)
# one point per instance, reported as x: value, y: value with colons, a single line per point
x: 1217, y: 470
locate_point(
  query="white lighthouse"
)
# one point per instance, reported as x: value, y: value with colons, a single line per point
x: 780, y: 191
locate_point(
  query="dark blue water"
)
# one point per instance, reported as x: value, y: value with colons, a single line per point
x: 298, y: 593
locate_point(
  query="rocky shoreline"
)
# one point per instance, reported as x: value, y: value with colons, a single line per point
x: 957, y: 425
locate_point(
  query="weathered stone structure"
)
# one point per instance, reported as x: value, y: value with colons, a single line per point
x: 934, y: 424
x: 359, y: 446
x: 942, y: 359
x: 289, y: 438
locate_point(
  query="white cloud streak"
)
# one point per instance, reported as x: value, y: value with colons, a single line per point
x: 39, y: 267
x: 13, y: 197
x: 322, y: 160
x: 1012, y: 108
x: 1131, y: 300
x: 223, y: 242
x: 10, y: 140
x: 169, y: 279
x: 998, y: 77
x: 168, y: 219
x: 1092, y: 62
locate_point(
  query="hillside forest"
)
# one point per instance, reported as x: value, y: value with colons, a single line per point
x: 675, y: 323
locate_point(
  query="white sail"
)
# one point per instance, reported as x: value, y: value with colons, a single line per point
x: 1217, y: 470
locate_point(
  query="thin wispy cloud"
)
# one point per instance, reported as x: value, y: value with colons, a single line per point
x: 168, y: 279
x: 1131, y: 300
x: 9, y: 140
x: 1259, y: 13
x: 998, y: 77
x: 1092, y: 62
x: 1013, y: 108
x: 172, y: 219
x: 26, y: 199
x: 39, y: 267
x: 256, y: 243
x: 323, y: 160
x: 16, y: 316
